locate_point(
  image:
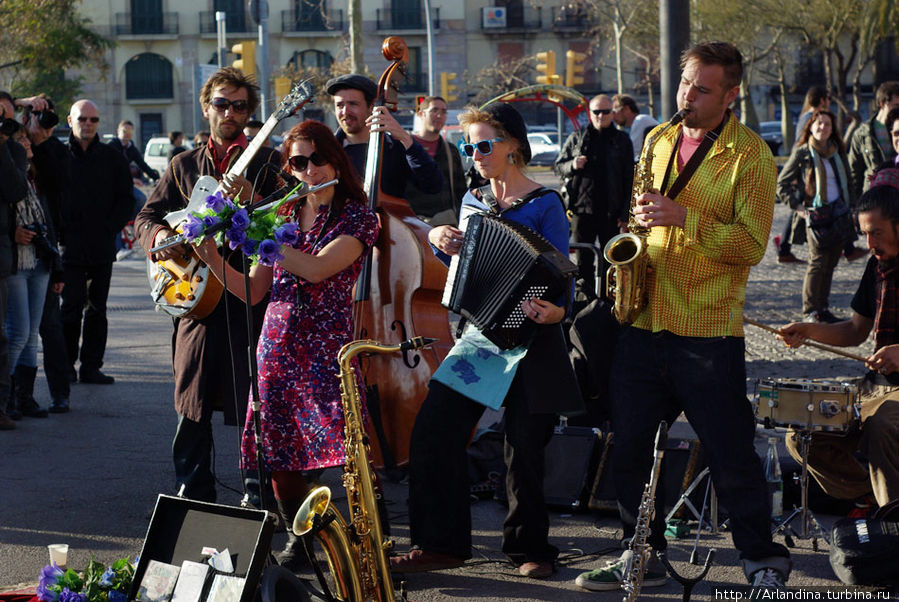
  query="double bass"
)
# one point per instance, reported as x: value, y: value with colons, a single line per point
x: 397, y: 296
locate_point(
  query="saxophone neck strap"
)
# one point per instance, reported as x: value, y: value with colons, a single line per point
x: 690, y: 168
x: 485, y: 194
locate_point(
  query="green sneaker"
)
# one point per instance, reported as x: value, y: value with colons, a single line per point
x: 610, y: 576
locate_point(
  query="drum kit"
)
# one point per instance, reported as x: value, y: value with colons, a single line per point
x: 805, y: 406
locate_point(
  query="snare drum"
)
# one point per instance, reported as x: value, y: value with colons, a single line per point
x: 804, y: 403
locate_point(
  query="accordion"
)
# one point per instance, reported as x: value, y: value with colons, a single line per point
x: 500, y: 264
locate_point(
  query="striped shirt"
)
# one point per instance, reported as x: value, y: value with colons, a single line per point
x: 697, y: 282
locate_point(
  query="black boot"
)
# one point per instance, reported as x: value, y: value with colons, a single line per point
x: 24, y: 376
x: 293, y: 556
x: 12, y: 409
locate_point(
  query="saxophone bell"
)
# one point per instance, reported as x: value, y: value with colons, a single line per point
x: 315, y: 504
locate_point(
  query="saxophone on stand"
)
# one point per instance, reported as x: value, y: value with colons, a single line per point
x: 356, y: 550
x: 626, y: 252
x: 638, y: 554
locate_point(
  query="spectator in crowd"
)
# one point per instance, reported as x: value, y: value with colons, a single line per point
x: 816, y: 98
x: 817, y: 176
x: 441, y: 208
x: 176, y: 139
x: 253, y: 128
x: 597, y: 166
x: 870, y: 144
x: 100, y: 203
x: 628, y: 118
x: 201, y: 138
x: 403, y: 159
x: 125, y: 144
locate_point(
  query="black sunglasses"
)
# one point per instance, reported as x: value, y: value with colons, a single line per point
x: 91, y: 119
x: 600, y: 111
x: 223, y: 104
x: 300, y: 162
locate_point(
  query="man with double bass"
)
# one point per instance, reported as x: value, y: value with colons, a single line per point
x: 708, y: 209
x: 875, y: 307
x: 209, y: 354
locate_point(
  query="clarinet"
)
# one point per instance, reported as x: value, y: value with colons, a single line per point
x: 638, y: 554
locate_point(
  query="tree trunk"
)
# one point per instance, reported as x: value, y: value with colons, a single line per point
x: 619, y: 63
x: 354, y: 15
x: 747, y: 108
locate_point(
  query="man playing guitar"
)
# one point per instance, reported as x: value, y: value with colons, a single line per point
x: 204, y: 352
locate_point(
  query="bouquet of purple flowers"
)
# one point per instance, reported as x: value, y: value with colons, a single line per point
x: 258, y: 234
x: 97, y: 583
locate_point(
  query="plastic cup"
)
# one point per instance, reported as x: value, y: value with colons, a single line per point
x: 59, y: 553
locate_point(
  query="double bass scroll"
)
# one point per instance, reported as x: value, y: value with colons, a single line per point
x: 398, y: 295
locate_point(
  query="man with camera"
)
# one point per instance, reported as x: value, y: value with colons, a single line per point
x: 99, y: 204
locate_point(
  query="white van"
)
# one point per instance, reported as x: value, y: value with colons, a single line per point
x: 156, y: 153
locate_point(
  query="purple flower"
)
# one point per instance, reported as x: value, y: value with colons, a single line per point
x: 249, y: 246
x: 193, y: 227
x: 269, y: 252
x: 68, y: 595
x: 117, y: 596
x: 216, y: 202
x: 240, y: 219
x: 50, y: 574
x: 286, y: 234
x: 211, y: 220
x: 107, y: 577
x: 236, y: 236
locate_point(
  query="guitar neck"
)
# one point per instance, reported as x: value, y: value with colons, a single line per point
x: 253, y: 147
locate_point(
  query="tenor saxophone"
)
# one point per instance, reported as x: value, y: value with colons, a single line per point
x: 626, y: 252
x: 638, y: 554
x: 357, y: 550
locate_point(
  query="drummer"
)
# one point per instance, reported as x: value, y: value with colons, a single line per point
x: 831, y: 458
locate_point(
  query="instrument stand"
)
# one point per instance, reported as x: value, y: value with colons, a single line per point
x: 687, y: 583
x: 710, y: 522
x: 803, y: 512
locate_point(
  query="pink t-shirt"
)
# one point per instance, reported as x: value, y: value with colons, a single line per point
x: 686, y: 149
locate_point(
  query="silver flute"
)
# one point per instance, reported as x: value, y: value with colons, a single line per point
x: 638, y: 555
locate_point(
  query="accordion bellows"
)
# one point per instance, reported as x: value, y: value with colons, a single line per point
x: 500, y: 264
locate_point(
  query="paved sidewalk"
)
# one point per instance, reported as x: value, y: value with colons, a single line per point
x: 90, y: 478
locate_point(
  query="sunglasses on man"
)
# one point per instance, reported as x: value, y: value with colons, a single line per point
x: 82, y: 119
x: 600, y: 111
x: 301, y: 162
x: 485, y: 147
x: 223, y: 104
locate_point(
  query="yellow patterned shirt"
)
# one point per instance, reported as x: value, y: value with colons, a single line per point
x: 697, y: 282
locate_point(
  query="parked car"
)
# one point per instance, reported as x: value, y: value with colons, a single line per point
x: 544, y: 147
x: 156, y: 153
x: 770, y: 133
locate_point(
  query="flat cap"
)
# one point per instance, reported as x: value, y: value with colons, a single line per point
x: 356, y: 82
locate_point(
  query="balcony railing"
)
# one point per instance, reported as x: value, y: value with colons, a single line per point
x: 570, y: 18
x: 331, y: 20
x: 511, y: 19
x: 234, y: 22
x: 154, y: 23
x: 389, y: 19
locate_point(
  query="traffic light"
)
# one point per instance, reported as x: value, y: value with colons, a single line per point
x: 247, y: 61
x: 574, y: 68
x: 547, y: 66
x: 418, y: 100
x: 446, y: 88
x: 282, y: 87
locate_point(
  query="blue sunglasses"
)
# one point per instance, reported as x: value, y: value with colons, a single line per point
x: 485, y: 147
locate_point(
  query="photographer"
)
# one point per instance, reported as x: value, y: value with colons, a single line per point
x: 34, y: 257
x: 12, y: 188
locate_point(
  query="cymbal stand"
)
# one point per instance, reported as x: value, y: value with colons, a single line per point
x: 802, y: 512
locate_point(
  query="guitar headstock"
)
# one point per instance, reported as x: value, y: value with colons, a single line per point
x: 394, y: 49
x: 296, y: 98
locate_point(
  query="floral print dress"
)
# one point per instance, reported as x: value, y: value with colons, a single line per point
x: 305, y: 326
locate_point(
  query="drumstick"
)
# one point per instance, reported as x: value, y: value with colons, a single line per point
x: 811, y: 343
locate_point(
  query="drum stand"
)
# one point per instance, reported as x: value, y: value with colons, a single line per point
x: 803, y: 512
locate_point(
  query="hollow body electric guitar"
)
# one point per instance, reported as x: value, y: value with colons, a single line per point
x: 184, y: 287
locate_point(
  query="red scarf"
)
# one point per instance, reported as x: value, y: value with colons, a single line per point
x: 886, y: 320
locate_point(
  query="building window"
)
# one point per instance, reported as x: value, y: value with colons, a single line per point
x: 148, y: 76
x: 146, y: 16
x: 235, y: 14
x: 311, y: 59
x: 150, y: 126
x: 407, y: 14
x: 415, y: 77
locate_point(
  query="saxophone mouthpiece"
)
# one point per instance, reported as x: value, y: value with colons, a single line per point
x: 679, y: 116
x: 416, y: 343
x: 662, y: 436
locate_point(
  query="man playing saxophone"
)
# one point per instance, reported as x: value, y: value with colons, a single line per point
x: 709, y: 218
